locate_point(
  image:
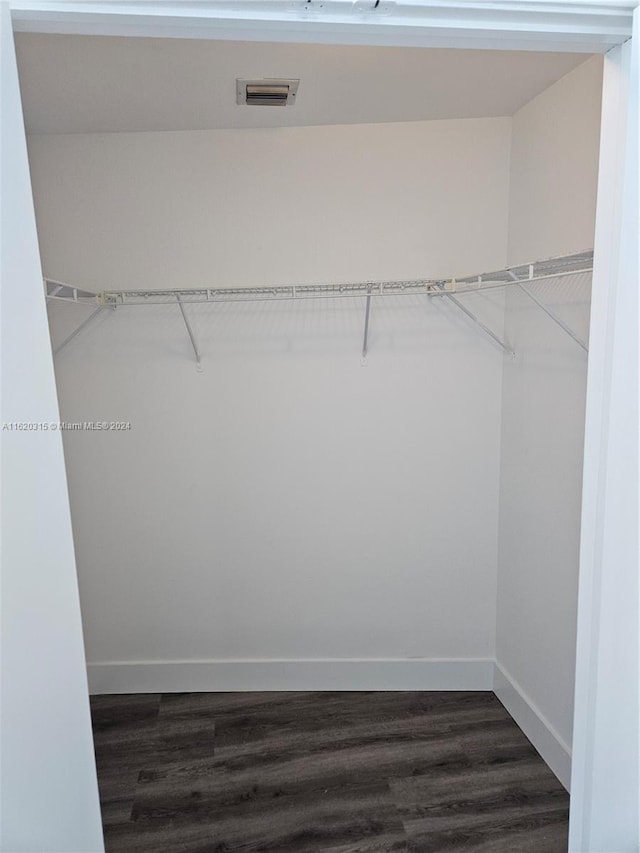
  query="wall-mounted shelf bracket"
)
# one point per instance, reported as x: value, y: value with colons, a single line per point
x: 67, y: 293
x: 77, y: 331
x: 196, y: 352
x: 503, y: 346
x: 524, y: 286
x: 365, y: 342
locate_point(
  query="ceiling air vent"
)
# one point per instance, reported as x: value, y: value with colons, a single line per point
x: 266, y: 93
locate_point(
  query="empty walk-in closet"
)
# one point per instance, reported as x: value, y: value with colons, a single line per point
x: 320, y: 317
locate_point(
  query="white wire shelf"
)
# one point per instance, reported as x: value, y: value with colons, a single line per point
x: 519, y: 276
x: 553, y: 268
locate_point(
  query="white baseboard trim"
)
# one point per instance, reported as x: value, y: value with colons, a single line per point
x: 273, y: 675
x: 342, y: 674
x: 552, y: 748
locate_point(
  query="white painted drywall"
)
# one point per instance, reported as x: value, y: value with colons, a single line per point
x: 543, y: 404
x: 554, y: 168
x: 287, y: 503
x: 552, y: 212
x: 259, y: 207
x: 49, y: 795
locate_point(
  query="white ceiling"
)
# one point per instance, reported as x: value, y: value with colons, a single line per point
x: 86, y: 84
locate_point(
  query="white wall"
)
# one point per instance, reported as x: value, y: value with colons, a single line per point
x: 49, y: 795
x: 552, y: 212
x: 554, y: 168
x: 540, y: 497
x: 259, y: 207
x: 287, y: 503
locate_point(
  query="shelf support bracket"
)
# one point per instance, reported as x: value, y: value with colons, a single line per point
x: 77, y: 331
x: 190, y: 333
x: 552, y: 314
x: 503, y: 346
x: 365, y: 342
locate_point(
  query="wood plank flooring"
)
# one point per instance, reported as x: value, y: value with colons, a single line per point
x: 322, y: 773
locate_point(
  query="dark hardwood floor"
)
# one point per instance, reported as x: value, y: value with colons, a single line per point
x: 322, y: 773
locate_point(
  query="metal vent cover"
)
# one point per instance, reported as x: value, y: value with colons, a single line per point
x: 267, y: 92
